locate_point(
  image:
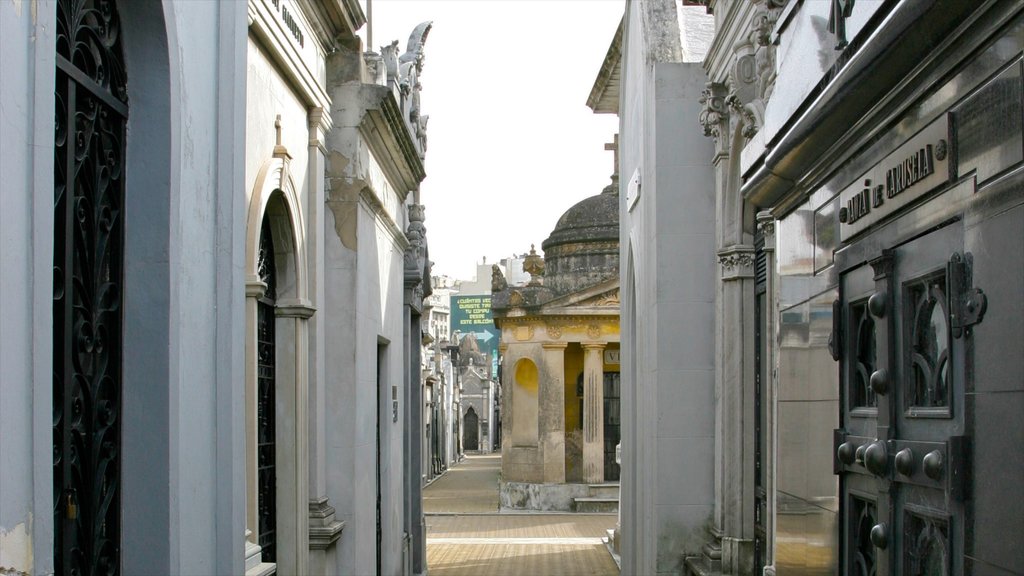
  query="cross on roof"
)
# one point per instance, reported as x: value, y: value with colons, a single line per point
x: 614, y: 147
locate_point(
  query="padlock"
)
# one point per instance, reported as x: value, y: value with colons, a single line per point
x: 71, y: 510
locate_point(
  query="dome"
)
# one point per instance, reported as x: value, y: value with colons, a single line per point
x: 592, y: 219
x: 583, y: 249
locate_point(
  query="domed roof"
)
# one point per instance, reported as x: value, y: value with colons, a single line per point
x: 592, y: 219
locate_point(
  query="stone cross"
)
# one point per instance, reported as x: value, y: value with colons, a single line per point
x: 614, y: 147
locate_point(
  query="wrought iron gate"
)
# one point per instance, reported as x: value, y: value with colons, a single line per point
x: 266, y: 402
x: 612, y: 424
x: 89, y: 155
x: 901, y: 453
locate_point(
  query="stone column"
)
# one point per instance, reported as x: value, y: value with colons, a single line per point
x: 593, y: 412
x: 766, y: 225
x: 293, y: 317
x: 254, y: 288
x: 551, y: 412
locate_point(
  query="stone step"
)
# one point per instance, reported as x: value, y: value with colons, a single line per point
x: 592, y: 504
x: 606, y: 490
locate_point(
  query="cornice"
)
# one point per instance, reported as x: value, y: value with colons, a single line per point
x: 912, y: 47
x: 729, y: 32
x: 388, y: 136
x: 608, y: 78
x: 337, y: 19
x: 274, y: 39
x: 369, y: 199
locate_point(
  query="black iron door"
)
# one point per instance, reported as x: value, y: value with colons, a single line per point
x: 761, y: 379
x: 91, y: 111
x: 471, y: 430
x: 612, y: 424
x: 902, y: 450
x: 266, y: 398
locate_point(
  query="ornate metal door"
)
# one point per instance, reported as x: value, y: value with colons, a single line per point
x: 91, y: 111
x: 612, y: 424
x: 266, y: 400
x: 901, y: 453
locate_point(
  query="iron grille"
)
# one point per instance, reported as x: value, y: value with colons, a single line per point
x: 89, y: 151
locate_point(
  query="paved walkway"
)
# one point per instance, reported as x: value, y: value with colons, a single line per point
x: 466, y: 536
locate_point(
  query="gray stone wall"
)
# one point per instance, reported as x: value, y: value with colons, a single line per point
x: 668, y: 279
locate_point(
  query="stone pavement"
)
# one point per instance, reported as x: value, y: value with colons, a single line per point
x: 466, y: 536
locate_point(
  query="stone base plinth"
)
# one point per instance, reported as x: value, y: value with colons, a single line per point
x: 544, y: 497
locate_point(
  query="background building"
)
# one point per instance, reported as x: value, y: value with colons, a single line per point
x: 651, y: 78
x: 560, y: 344
x: 218, y: 330
x: 823, y: 278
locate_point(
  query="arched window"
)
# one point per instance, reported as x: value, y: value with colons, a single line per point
x: 89, y: 182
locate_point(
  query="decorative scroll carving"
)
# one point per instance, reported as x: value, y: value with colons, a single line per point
x: 745, y: 113
x: 715, y: 112
x: 736, y: 260
x: 415, y: 261
x: 554, y: 331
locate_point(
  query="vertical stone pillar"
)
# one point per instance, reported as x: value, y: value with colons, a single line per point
x: 254, y: 288
x: 766, y: 225
x: 293, y: 320
x: 593, y: 412
x: 551, y: 416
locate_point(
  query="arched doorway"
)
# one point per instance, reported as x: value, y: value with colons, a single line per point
x: 266, y: 383
x: 277, y: 311
x: 88, y: 267
x: 471, y: 430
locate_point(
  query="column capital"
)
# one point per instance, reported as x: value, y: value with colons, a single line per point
x: 294, y: 308
x: 254, y: 287
x: 554, y: 345
x: 594, y: 345
x: 737, y: 262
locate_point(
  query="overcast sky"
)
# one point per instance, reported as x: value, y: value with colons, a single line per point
x: 511, y: 142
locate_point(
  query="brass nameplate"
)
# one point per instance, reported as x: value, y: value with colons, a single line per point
x: 919, y: 165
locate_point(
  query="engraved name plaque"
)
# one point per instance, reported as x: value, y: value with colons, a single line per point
x: 917, y: 166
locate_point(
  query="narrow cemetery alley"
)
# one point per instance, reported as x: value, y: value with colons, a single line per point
x: 467, y: 534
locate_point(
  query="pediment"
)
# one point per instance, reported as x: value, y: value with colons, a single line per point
x: 600, y: 298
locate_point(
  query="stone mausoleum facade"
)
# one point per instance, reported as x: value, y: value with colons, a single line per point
x: 560, y: 349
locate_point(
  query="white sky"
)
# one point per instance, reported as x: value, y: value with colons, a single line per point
x: 511, y: 142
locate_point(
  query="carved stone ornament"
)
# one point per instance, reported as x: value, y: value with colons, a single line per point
x: 415, y: 254
x: 737, y: 262
x: 764, y: 53
x: 554, y: 331
x: 611, y: 299
x: 714, y: 112
x: 746, y: 115
x: 766, y: 226
x: 498, y: 282
x: 534, y: 266
x: 593, y: 331
x: 516, y: 298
